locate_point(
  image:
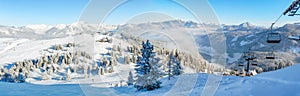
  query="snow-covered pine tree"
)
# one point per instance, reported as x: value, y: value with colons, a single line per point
x: 147, y: 72
x: 105, y: 63
x: 130, y: 79
x: 98, y: 71
x: 133, y: 59
x: 68, y: 77
x: 119, y: 48
x: 174, y: 66
x: 45, y: 76
x: 55, y: 59
x: 50, y: 71
x: 1, y: 72
x: 21, y: 78
x: 85, y: 71
x: 177, y: 68
x: 101, y: 71
x: 90, y: 68
x: 111, y: 69
x: 170, y: 65
x: 127, y: 60
x: 90, y: 75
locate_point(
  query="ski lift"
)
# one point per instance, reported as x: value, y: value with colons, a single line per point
x: 249, y: 55
x: 254, y: 63
x: 294, y: 37
x: 270, y: 55
x: 241, y: 65
x: 273, y: 37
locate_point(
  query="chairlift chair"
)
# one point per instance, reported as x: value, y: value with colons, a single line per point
x: 249, y: 55
x: 273, y: 38
x: 270, y: 56
x: 241, y: 64
x: 254, y: 63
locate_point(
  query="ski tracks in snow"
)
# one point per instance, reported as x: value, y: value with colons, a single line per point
x: 14, y: 44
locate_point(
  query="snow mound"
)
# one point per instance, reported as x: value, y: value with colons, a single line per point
x: 288, y: 74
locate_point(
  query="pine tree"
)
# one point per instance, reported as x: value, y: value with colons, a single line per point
x: 50, y: 69
x: 68, y: 77
x: 170, y: 66
x: 85, y: 71
x: 174, y: 66
x: 111, y: 69
x: 99, y: 71
x: 21, y: 78
x: 147, y: 72
x: 90, y: 75
x: 177, y: 69
x: 127, y: 60
x: 45, y: 76
x: 130, y: 79
x: 105, y: 62
x: 133, y: 58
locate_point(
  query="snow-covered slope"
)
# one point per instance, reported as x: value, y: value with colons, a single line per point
x: 239, y: 39
x: 283, y: 82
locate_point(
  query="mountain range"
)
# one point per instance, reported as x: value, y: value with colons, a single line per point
x: 239, y: 38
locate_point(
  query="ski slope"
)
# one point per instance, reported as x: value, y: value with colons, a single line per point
x: 283, y: 82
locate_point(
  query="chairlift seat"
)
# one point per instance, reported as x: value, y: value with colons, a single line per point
x: 249, y: 55
x: 273, y: 38
x: 270, y: 55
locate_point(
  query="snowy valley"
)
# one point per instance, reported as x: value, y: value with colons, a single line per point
x: 51, y: 60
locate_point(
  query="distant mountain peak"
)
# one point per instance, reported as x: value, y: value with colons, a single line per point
x: 246, y: 25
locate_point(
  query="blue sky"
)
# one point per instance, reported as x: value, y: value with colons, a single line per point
x: 24, y: 12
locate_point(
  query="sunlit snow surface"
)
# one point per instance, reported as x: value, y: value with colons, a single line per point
x: 277, y: 83
x: 283, y: 82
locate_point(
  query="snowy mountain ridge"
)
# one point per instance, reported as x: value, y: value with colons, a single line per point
x: 56, y: 30
x: 81, y: 26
